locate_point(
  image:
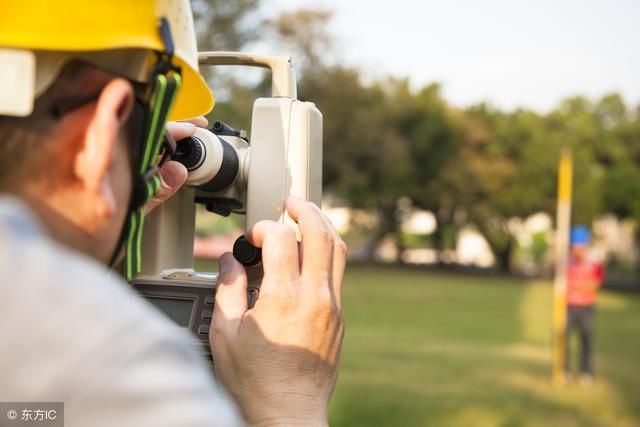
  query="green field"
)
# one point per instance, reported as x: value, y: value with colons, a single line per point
x: 426, y: 349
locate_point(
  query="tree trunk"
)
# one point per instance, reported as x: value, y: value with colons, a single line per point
x: 438, y: 239
x: 503, y: 256
x: 501, y: 244
x: 444, y: 221
x: 387, y: 223
x: 399, y: 239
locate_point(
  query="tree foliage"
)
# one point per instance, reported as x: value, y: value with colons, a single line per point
x: 387, y: 141
x: 225, y: 25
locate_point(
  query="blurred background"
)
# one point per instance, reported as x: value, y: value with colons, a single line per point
x: 443, y: 126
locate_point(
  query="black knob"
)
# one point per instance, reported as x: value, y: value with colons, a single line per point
x: 222, y: 129
x: 246, y: 254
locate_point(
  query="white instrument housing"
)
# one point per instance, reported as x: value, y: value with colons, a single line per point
x: 283, y: 158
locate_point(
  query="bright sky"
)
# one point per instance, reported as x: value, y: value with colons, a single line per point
x: 512, y: 53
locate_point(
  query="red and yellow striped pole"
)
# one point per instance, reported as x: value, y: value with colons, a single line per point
x: 563, y: 224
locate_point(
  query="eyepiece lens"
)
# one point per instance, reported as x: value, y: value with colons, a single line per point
x: 189, y: 152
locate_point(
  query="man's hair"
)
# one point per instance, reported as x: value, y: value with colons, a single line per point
x: 26, y: 143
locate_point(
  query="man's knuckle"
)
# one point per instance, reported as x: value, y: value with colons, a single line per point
x: 312, y: 207
x: 217, y: 331
x: 283, y: 232
x: 259, y: 229
x: 340, y: 247
x: 325, y: 301
x: 163, y: 192
x: 323, y: 236
x: 341, y: 326
x: 265, y: 224
x: 309, y: 213
x: 223, y: 280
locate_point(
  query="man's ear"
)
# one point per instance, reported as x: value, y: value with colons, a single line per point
x: 94, y: 157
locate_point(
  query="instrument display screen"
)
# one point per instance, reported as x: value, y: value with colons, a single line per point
x: 179, y: 310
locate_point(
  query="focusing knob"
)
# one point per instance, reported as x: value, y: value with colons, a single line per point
x: 246, y: 254
x: 228, y: 170
x: 222, y: 129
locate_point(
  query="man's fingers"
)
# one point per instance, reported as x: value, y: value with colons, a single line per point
x: 172, y: 176
x: 339, y: 260
x: 200, y: 121
x: 317, y: 238
x: 184, y: 129
x: 279, y: 249
x: 231, y: 293
x: 180, y: 130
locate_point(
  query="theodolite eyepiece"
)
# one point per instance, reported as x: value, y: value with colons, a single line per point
x: 212, y: 161
x: 190, y: 152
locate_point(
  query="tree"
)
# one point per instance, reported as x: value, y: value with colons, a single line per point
x: 436, y: 138
x: 621, y: 181
x: 367, y: 161
x: 474, y: 182
x: 225, y: 25
x: 304, y: 35
x: 504, y: 167
x: 384, y: 141
x: 573, y: 124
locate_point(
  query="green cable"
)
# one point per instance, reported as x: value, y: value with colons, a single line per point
x: 161, y: 82
x: 132, y: 230
x: 153, y: 139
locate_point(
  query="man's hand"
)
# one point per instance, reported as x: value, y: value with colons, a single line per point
x: 280, y: 359
x: 174, y: 174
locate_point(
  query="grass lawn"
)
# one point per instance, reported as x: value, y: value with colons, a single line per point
x: 424, y: 349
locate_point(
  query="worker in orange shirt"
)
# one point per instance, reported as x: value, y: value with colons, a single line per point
x: 585, y: 276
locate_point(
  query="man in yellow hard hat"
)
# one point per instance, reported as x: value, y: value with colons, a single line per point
x: 85, y: 91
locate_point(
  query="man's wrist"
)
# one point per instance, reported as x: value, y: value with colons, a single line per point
x: 287, y: 422
x: 287, y: 409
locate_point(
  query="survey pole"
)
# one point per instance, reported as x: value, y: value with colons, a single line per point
x: 563, y: 224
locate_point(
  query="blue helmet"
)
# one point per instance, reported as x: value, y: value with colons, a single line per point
x: 580, y: 235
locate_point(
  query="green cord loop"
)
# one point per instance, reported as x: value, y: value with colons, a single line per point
x: 164, y: 90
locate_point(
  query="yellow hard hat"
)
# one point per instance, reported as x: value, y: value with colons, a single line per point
x: 74, y: 27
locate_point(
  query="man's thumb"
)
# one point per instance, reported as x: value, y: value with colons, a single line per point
x: 231, y: 293
x: 172, y: 176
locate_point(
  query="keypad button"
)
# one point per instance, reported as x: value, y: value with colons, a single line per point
x: 207, y: 315
x: 208, y: 299
x: 205, y: 350
x: 203, y: 330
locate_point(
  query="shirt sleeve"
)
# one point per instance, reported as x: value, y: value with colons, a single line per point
x: 141, y: 368
x: 162, y: 385
x: 72, y: 334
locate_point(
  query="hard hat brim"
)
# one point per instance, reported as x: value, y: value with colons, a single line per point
x: 195, y: 98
